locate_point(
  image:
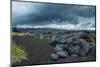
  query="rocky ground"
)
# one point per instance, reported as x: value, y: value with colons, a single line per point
x: 58, y: 47
x: 79, y: 44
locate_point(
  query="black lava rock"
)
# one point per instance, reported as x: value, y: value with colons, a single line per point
x: 62, y: 53
x: 74, y: 49
x: 82, y: 53
x: 54, y: 56
x: 72, y: 44
x: 58, y: 48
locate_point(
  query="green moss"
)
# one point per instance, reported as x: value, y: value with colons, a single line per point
x: 18, y: 53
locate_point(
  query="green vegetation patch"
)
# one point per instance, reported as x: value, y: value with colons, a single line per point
x: 20, y: 34
x: 18, y: 53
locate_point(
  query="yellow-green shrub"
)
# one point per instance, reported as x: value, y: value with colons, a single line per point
x: 18, y: 53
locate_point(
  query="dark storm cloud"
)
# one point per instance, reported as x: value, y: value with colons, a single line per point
x: 46, y: 13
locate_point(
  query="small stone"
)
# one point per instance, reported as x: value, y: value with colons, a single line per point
x: 58, y: 48
x: 62, y: 53
x: 54, y: 56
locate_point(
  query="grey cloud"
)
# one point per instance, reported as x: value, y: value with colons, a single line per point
x: 50, y: 12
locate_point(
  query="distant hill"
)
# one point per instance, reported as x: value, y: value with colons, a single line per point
x: 42, y: 30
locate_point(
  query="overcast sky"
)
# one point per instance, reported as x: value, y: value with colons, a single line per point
x: 52, y: 15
